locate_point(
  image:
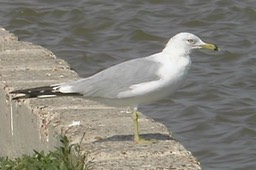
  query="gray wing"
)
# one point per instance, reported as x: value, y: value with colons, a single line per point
x: 110, y: 82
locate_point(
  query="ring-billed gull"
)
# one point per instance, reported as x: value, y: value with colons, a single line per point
x: 134, y: 82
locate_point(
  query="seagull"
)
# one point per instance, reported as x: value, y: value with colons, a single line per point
x: 131, y: 83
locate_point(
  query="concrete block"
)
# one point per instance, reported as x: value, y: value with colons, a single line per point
x: 37, y: 123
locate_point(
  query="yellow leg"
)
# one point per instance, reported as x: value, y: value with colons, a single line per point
x: 136, y: 126
x: 137, y: 137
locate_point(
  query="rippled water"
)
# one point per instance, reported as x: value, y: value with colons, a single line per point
x: 214, y: 114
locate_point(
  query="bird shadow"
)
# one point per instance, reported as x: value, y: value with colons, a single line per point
x: 149, y: 136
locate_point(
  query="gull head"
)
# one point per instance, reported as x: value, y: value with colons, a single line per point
x: 185, y: 42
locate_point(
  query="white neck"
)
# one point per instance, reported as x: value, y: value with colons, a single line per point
x: 176, y: 51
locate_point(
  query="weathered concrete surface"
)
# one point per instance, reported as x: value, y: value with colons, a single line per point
x: 36, y: 124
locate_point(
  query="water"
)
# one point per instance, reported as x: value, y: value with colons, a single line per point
x: 213, y: 115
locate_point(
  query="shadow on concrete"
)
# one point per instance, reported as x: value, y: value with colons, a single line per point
x: 149, y: 136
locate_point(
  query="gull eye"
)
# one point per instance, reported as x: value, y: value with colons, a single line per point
x: 191, y: 41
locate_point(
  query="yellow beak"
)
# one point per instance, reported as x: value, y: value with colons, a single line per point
x: 210, y: 46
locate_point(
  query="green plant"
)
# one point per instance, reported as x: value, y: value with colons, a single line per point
x: 66, y: 157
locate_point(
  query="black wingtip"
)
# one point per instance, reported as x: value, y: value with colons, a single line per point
x: 16, y: 97
x: 33, y: 92
x: 40, y: 92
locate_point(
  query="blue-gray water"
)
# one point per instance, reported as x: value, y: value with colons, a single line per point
x: 214, y: 114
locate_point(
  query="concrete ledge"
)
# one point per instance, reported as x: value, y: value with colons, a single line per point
x: 36, y: 124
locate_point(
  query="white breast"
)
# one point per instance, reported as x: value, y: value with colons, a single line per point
x: 172, y: 72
